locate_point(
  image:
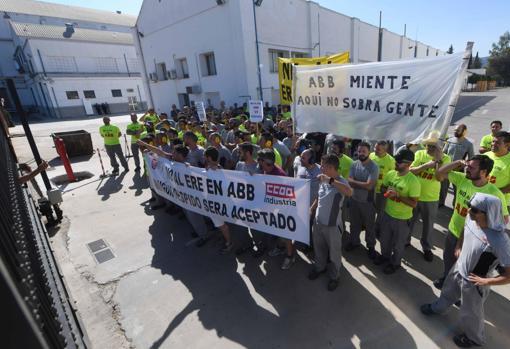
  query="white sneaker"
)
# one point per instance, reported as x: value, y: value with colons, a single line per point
x: 287, y: 262
x: 277, y: 251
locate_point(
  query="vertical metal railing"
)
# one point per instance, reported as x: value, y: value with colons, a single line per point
x: 31, y: 288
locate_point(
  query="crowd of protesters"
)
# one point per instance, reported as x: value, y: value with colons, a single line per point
x: 373, y: 185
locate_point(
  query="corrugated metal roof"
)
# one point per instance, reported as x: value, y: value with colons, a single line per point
x: 56, y: 32
x: 47, y: 9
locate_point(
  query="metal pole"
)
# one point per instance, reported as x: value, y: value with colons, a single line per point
x: 379, y: 42
x: 261, y: 93
x: 26, y: 128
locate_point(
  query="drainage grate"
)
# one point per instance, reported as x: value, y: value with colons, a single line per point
x: 100, y: 250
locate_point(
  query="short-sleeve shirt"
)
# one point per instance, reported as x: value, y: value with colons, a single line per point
x: 486, y: 141
x: 364, y: 173
x: 385, y: 164
x: 478, y: 241
x: 196, y: 157
x: 311, y: 174
x: 244, y: 167
x: 135, y: 127
x: 224, y: 155
x: 407, y: 186
x: 465, y: 190
x: 500, y: 174
x: 459, y: 149
x: 329, y: 204
x: 110, y: 134
x: 344, y: 165
x: 152, y: 118
x: 430, y: 186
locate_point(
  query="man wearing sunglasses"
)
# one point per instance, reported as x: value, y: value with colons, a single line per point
x: 402, y: 190
x: 485, y: 245
x: 473, y: 179
x: 424, y: 166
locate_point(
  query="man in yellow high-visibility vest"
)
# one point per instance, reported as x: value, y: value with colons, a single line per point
x: 111, y: 135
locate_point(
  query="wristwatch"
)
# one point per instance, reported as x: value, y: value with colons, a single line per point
x: 331, y: 180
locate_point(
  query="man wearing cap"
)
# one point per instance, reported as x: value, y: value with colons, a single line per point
x: 457, y: 147
x: 111, y: 135
x: 474, y: 180
x: 402, y: 190
x: 500, y: 154
x: 424, y: 166
x: 386, y: 163
x: 135, y: 129
x: 486, y: 142
x: 485, y: 245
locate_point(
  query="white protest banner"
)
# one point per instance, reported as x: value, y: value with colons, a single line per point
x: 400, y: 100
x: 262, y: 202
x: 201, y: 111
x: 256, y: 109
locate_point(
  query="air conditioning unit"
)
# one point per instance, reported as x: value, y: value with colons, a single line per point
x: 153, y: 77
x: 192, y: 90
x: 172, y: 74
x: 220, y: 2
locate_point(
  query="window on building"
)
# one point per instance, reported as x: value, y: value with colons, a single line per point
x: 130, y: 90
x: 72, y: 95
x: 300, y: 55
x: 208, y: 64
x: 273, y: 59
x: 89, y: 94
x: 182, y: 68
x: 161, y: 71
x: 116, y: 93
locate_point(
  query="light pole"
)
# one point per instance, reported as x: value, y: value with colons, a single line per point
x: 257, y: 3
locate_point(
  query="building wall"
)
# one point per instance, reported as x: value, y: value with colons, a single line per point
x: 173, y: 29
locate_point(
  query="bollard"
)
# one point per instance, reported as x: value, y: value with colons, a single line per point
x: 102, y: 167
x: 61, y: 150
x: 128, y: 153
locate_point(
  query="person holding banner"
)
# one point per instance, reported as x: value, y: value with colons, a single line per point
x: 196, y: 153
x: 326, y: 208
x: 363, y: 178
x: 425, y: 164
x: 402, y: 189
x: 212, y: 157
x: 266, y: 160
x: 474, y: 179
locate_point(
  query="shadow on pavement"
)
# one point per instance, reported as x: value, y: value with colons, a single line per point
x: 112, y: 185
x: 305, y: 314
x: 467, y: 105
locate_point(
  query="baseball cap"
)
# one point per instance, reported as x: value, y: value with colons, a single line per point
x: 404, y: 155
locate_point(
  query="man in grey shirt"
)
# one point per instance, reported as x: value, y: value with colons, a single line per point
x: 457, y: 147
x: 196, y: 153
x: 327, y: 236
x: 363, y: 178
x: 309, y: 169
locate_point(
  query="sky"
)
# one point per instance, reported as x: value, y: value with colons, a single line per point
x: 439, y: 23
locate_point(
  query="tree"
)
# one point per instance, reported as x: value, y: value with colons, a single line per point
x: 499, y: 60
x: 477, y: 63
x: 450, y: 50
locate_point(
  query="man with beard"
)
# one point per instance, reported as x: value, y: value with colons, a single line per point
x: 363, y: 178
x: 474, y: 180
x: 457, y: 147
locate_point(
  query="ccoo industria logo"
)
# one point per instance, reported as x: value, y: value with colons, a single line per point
x: 280, y: 194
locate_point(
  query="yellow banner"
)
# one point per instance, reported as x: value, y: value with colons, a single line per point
x: 285, y: 71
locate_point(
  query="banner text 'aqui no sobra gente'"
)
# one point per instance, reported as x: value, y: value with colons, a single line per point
x: 400, y: 100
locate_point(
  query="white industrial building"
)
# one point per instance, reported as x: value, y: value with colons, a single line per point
x: 205, y: 50
x: 67, y: 60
